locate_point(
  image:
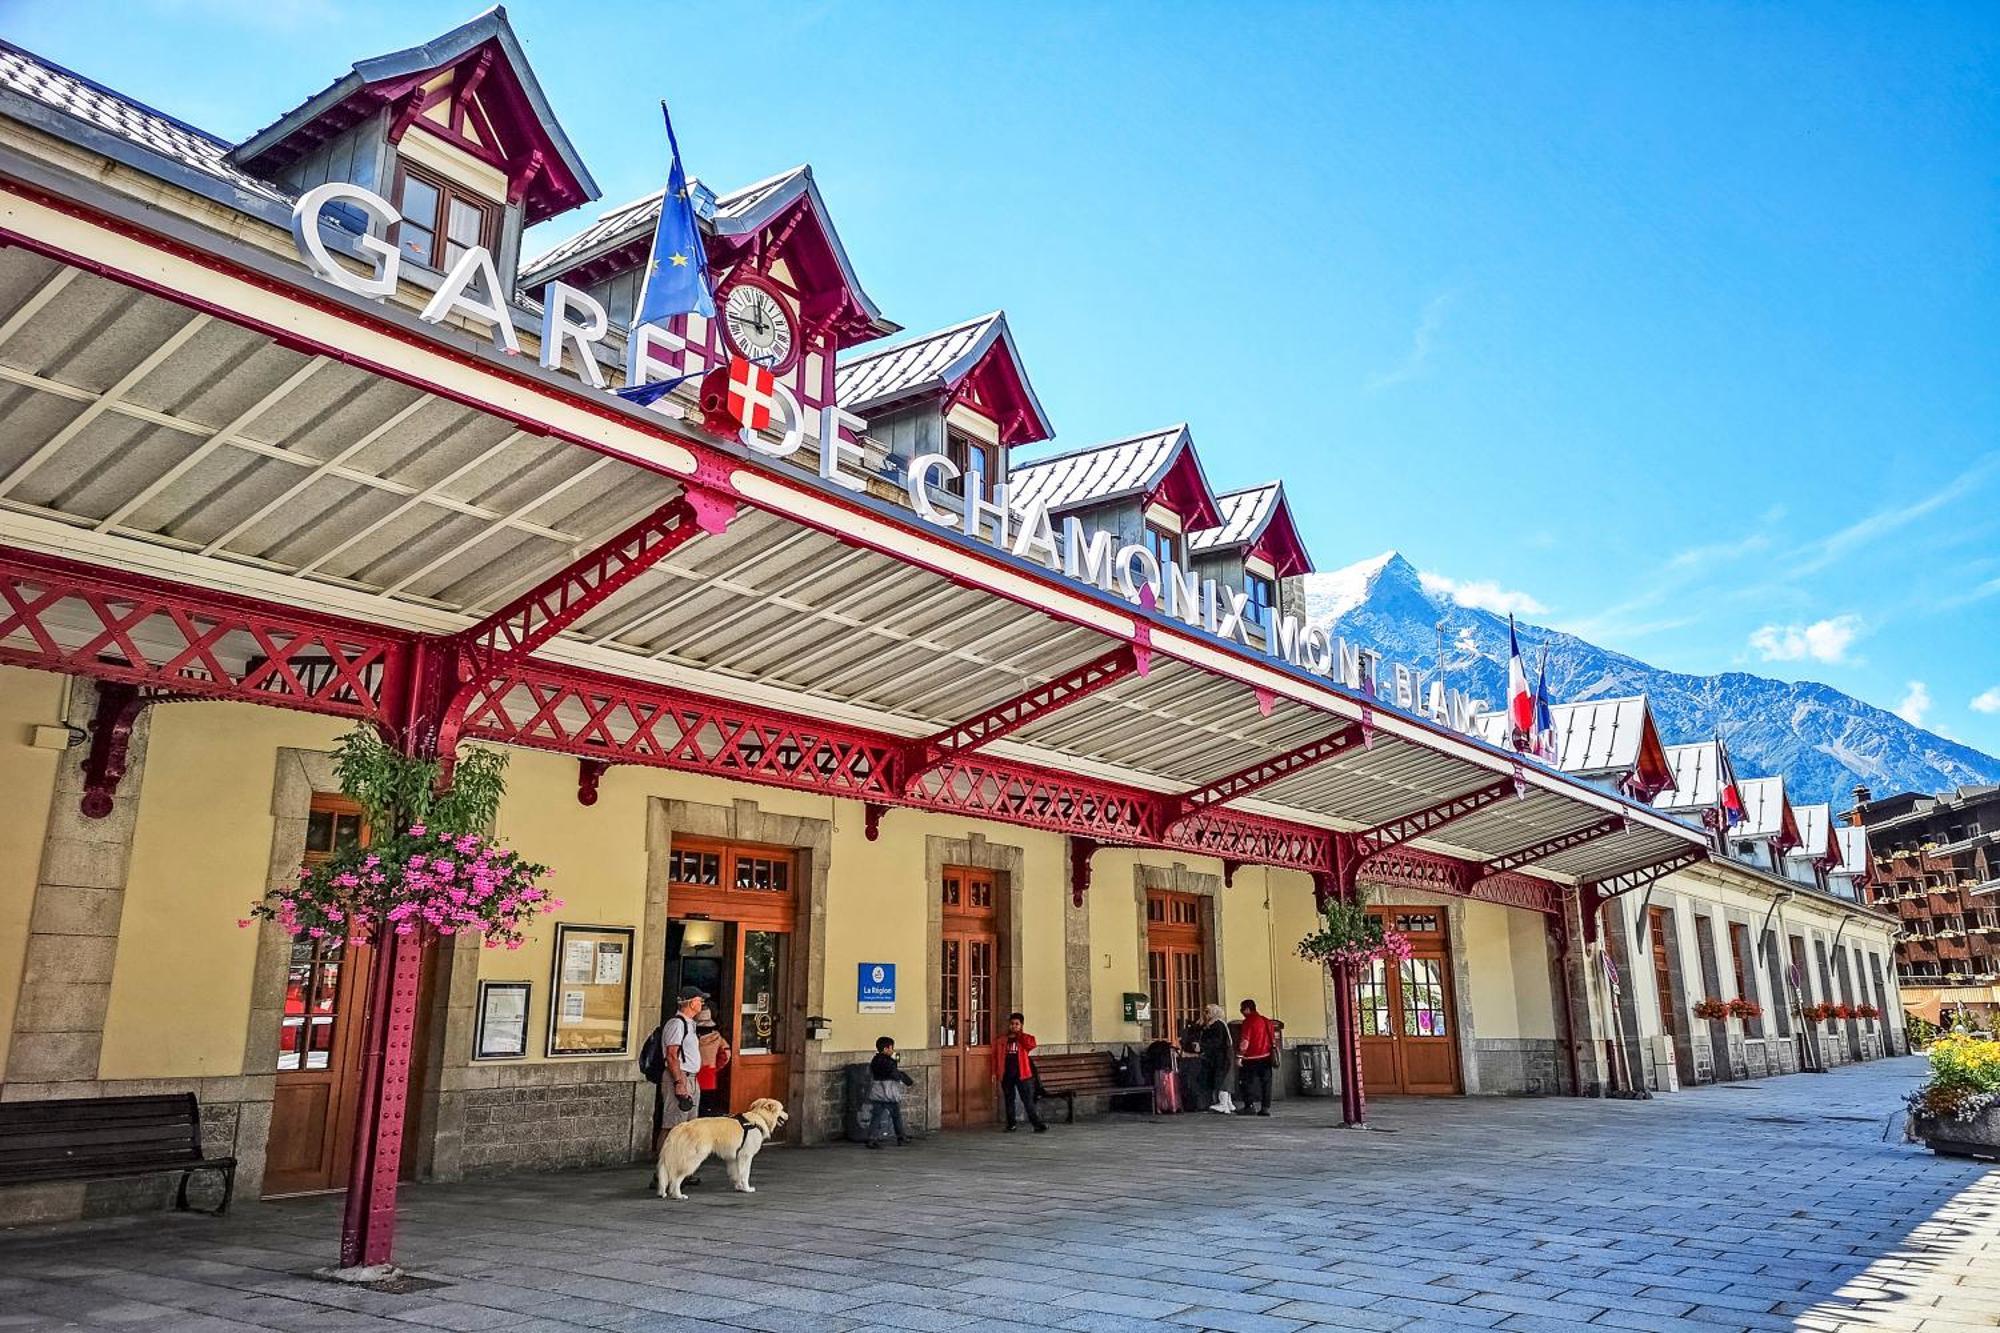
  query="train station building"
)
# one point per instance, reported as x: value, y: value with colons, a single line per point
x: 887, y: 719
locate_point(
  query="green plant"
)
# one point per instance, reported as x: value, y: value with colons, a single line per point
x: 1348, y: 934
x: 395, y: 790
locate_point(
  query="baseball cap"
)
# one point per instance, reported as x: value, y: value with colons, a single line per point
x: 692, y: 993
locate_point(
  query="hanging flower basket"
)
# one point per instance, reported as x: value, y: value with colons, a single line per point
x: 1866, y: 1011
x: 1348, y: 934
x: 441, y: 875
x: 1745, y: 1009
x: 1711, y: 1008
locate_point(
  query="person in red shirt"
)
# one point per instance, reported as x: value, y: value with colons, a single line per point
x: 1258, y: 1049
x: 1015, y: 1069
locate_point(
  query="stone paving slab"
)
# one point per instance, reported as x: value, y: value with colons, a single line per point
x: 1771, y: 1205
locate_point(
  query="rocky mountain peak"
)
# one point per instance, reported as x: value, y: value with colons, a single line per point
x: 1820, y: 740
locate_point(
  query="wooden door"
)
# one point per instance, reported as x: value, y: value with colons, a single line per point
x: 740, y: 900
x: 1657, y: 925
x: 968, y: 996
x: 1407, y: 1020
x: 319, y: 1036
x: 1176, y: 975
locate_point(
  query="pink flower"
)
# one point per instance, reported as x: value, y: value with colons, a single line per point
x: 242, y: 921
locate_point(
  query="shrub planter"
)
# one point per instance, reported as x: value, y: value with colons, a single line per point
x: 1978, y: 1137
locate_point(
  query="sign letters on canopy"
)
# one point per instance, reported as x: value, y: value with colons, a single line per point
x: 576, y: 322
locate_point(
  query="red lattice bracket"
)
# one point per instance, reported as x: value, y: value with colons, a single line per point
x: 1418, y: 823
x: 1561, y: 842
x: 59, y: 615
x: 1262, y: 774
x: 1032, y: 705
x: 559, y: 601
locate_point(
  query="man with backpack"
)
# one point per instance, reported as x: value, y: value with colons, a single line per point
x: 676, y: 1048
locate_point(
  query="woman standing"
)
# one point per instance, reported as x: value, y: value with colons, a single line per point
x: 715, y: 1054
x: 1216, y: 1047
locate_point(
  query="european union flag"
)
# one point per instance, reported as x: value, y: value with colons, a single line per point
x: 677, y: 271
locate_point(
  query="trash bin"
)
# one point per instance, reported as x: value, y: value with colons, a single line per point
x: 1315, y: 1069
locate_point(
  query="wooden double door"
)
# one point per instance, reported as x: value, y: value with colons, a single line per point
x: 1408, y: 1024
x: 970, y: 1011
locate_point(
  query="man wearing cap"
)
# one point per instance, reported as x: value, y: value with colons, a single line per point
x: 680, y: 1050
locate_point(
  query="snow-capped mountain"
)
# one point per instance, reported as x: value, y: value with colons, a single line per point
x: 1823, y: 742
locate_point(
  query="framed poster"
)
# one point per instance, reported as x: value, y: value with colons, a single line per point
x: 590, y: 996
x: 501, y: 1032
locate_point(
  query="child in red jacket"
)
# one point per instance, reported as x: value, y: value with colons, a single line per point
x: 1013, y: 1065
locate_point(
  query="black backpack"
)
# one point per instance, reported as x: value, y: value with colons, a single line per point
x: 653, y: 1060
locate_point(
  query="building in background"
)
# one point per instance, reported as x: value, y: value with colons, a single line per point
x: 1936, y: 865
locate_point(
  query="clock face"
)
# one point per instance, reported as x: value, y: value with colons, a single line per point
x: 759, y: 329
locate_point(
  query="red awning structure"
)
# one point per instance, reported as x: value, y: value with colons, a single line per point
x: 224, y: 478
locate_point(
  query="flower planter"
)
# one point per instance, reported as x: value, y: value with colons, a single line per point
x: 1978, y: 1137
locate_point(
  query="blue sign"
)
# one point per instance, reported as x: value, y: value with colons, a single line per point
x: 876, y: 992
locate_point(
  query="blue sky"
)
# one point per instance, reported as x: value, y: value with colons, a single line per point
x: 1677, y: 326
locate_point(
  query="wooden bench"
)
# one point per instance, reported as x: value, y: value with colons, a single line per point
x: 98, y: 1138
x: 1090, y: 1073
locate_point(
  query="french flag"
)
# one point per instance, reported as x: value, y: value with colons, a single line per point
x: 1727, y: 797
x: 1520, y: 700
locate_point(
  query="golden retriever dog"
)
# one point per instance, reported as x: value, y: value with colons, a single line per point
x: 734, y: 1139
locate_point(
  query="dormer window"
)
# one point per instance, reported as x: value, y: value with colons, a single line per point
x: 440, y: 221
x: 969, y: 456
x: 1165, y: 545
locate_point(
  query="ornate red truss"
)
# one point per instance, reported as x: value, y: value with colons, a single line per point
x: 1003, y: 719
x: 59, y: 615
x: 176, y: 642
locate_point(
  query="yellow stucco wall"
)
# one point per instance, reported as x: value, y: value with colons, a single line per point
x: 28, y: 699
x: 1115, y: 963
x: 180, y: 992
x: 1507, y: 972
x: 1301, y: 986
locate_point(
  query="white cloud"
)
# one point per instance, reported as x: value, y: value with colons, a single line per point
x: 1916, y: 703
x: 1422, y: 344
x: 1987, y: 701
x: 1482, y: 594
x: 1817, y: 555
x: 1822, y: 641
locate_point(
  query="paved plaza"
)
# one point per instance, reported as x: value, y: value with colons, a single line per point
x: 1514, y: 1215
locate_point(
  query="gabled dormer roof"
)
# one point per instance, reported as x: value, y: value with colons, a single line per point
x: 1817, y: 843
x: 515, y: 128
x: 1256, y: 520
x: 976, y: 360
x: 1855, y: 858
x: 1613, y: 739
x: 1160, y: 465
x: 733, y: 222
x: 1766, y: 812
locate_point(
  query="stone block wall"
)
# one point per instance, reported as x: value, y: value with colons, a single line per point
x: 1520, y: 1066
x: 541, y: 1117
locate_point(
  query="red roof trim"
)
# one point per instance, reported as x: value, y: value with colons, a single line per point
x: 1183, y: 489
x: 527, y: 152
